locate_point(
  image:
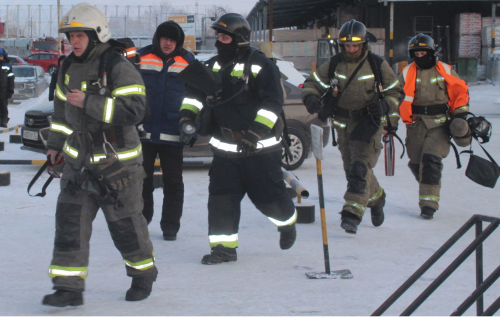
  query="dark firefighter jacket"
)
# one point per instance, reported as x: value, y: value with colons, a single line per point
x: 6, y: 80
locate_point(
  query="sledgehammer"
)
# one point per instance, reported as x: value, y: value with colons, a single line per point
x: 317, y: 146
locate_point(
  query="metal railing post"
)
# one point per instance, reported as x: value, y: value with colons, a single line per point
x: 479, y: 269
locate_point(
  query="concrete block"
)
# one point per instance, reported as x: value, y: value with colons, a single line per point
x: 4, y: 178
x: 15, y: 139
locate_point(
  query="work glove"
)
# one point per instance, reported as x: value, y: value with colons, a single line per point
x: 113, y: 172
x: 248, y: 143
x: 378, y: 109
x: 313, y: 104
x: 187, y: 129
x: 325, y: 112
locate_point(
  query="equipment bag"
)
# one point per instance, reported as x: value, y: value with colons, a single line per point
x: 482, y: 171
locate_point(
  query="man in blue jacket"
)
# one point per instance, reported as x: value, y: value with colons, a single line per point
x: 6, y: 87
x: 160, y: 64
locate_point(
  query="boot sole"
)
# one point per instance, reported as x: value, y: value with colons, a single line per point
x: 73, y: 303
x: 348, y: 228
x: 427, y: 217
x: 377, y: 222
x: 218, y: 263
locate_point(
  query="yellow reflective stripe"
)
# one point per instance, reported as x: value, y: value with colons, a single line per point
x: 316, y: 77
x: 464, y: 108
x: 238, y: 70
x: 55, y: 270
x: 255, y: 69
x: 66, y: 79
x: 122, y: 155
x: 417, y: 80
x: 376, y: 195
x: 233, y: 147
x: 433, y: 198
x: 60, y: 128
x: 60, y: 94
x: 129, y: 90
x: 441, y: 120
x: 216, y: 67
x: 191, y: 104
x: 109, y: 108
x: 290, y: 221
x: 142, y: 265
x: 230, y: 241
x: 266, y: 117
x: 361, y: 208
x: 84, y: 87
x: 72, y: 152
x: 365, y: 77
x: 342, y: 76
x: 338, y: 124
x: 391, y: 86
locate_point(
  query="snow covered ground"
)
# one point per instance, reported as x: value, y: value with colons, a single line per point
x: 265, y: 280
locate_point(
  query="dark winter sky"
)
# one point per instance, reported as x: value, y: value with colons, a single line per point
x: 239, y: 6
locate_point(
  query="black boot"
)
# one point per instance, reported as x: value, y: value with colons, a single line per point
x: 350, y: 222
x: 378, y: 211
x: 287, y: 237
x: 219, y: 254
x: 63, y: 298
x: 4, y: 121
x: 169, y: 235
x: 427, y: 212
x: 141, y: 286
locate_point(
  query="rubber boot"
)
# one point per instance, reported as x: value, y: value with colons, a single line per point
x: 427, y: 212
x: 377, y: 211
x: 287, y: 237
x: 4, y: 121
x: 349, y: 222
x: 63, y: 298
x: 169, y: 235
x: 219, y: 254
x: 141, y: 286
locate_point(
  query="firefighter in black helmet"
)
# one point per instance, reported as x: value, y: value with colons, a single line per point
x: 246, y: 139
x: 353, y: 105
x: 434, y: 94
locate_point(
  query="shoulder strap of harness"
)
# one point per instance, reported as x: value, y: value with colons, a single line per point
x: 334, y: 61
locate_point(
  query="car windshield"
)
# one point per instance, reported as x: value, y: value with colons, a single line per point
x: 16, y: 60
x: 24, y: 71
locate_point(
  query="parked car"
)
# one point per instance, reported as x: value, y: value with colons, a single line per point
x: 47, y: 60
x: 37, y: 122
x: 16, y: 60
x: 30, y: 81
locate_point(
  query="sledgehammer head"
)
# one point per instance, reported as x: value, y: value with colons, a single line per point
x: 343, y: 274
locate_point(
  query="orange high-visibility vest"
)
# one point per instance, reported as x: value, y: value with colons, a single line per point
x: 457, y: 90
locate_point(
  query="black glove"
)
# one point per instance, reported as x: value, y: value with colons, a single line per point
x: 313, y: 104
x: 378, y: 109
x: 325, y: 112
x: 187, y: 129
x: 113, y: 172
x: 248, y: 143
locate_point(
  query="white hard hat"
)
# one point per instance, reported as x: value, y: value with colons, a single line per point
x: 84, y: 17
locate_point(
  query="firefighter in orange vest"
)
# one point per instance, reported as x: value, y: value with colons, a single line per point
x: 434, y: 109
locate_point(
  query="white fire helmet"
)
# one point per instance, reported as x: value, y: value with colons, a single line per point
x: 83, y: 17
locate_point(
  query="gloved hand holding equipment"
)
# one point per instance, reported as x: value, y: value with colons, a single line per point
x: 113, y: 172
x: 187, y: 129
x: 313, y: 104
x: 248, y: 143
x: 378, y: 109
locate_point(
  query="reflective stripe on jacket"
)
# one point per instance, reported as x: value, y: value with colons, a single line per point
x: 164, y: 94
x: 456, y: 88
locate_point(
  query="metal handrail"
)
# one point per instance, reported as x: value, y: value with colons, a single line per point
x: 476, y: 245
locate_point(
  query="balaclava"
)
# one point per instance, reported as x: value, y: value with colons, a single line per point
x: 93, y: 41
x: 226, y: 52
x: 427, y: 61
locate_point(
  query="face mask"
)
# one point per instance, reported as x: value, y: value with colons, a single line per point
x: 425, y: 62
x: 226, y: 52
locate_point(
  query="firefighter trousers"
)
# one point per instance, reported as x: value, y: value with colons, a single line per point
x: 259, y: 176
x: 359, y: 159
x: 426, y: 150
x: 76, y: 210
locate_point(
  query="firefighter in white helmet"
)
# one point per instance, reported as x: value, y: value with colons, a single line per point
x: 100, y: 97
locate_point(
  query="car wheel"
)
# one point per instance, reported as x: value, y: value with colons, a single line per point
x: 299, y: 148
x: 52, y: 69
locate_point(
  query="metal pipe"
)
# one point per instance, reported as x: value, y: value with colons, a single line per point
x: 478, y: 293
x: 434, y: 258
x: 493, y: 12
x: 271, y: 22
x: 493, y: 308
x: 39, y: 20
x: 479, y: 269
x: 450, y: 269
x: 391, y: 33
x: 295, y: 184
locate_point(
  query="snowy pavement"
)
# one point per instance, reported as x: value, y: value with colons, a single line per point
x: 265, y: 280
